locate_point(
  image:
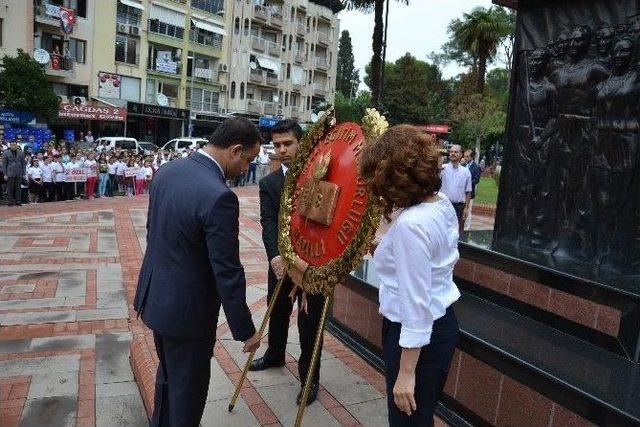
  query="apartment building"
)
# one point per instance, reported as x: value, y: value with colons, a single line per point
x: 156, y: 69
x: 283, y: 56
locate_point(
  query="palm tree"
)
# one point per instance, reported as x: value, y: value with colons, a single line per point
x: 479, y: 34
x: 378, y: 39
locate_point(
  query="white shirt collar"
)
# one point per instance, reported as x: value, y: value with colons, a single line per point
x: 204, y: 153
x: 285, y: 169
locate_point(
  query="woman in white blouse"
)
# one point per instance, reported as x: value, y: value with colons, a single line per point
x: 414, y: 263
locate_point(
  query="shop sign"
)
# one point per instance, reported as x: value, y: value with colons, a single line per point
x: 90, y: 112
x: 157, y: 111
x: 267, y: 122
x: 109, y: 85
x: 15, y: 117
x: 437, y: 128
x: 203, y: 73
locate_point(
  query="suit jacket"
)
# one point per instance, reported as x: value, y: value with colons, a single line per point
x: 476, y: 173
x: 13, y: 165
x: 271, y: 187
x: 192, y: 263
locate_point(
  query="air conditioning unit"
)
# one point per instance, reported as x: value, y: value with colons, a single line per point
x: 122, y: 28
x: 78, y: 100
x: 134, y: 30
x: 224, y: 68
x: 223, y: 88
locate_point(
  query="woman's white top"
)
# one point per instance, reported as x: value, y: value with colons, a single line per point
x: 121, y: 168
x: 414, y: 263
x: 140, y: 174
x: 47, y: 173
x: 59, y: 173
x: 111, y: 168
x: 34, y: 172
x: 92, y: 168
x: 148, y: 173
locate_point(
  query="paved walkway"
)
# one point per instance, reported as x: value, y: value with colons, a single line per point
x: 67, y: 277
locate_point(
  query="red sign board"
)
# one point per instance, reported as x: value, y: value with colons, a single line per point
x: 330, y: 198
x: 90, y: 112
x: 437, y: 128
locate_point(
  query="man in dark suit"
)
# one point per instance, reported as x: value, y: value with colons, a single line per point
x: 13, y: 168
x: 476, y: 174
x: 286, y: 135
x: 192, y: 267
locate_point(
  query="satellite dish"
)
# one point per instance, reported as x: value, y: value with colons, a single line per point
x: 314, y: 117
x: 41, y: 56
x: 253, y: 65
x: 162, y: 99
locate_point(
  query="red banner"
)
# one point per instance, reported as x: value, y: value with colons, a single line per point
x: 89, y: 112
x: 436, y: 128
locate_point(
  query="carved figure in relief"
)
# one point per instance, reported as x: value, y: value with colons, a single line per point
x: 614, y: 159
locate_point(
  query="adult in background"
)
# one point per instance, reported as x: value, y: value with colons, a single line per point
x: 89, y: 138
x: 34, y: 176
x: 13, y: 168
x: 91, y: 166
x: 263, y: 163
x: 192, y: 267
x: 286, y: 136
x: 476, y: 174
x: 47, y: 179
x: 414, y: 263
x: 253, y: 166
x: 59, y: 177
x: 456, y: 184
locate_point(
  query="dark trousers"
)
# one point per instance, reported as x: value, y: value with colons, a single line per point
x: 69, y: 190
x: 60, y: 191
x: 251, y: 175
x: 182, y: 381
x: 49, y: 191
x: 14, y: 192
x: 307, y: 326
x: 431, y: 370
x: 111, y: 185
x: 459, y: 208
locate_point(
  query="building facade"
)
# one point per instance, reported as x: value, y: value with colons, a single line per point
x: 176, y: 67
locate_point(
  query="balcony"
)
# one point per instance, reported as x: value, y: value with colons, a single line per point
x: 323, y: 38
x: 296, y: 113
x: 206, y: 75
x: 272, y: 79
x: 260, y: 13
x: 203, y: 107
x: 301, y: 29
x: 269, y: 108
x: 274, y: 49
x: 276, y: 19
x: 322, y: 63
x: 213, y: 41
x: 258, y: 43
x: 60, y: 66
x: 320, y: 89
x: 256, y: 76
x: 297, y: 87
x: 167, y: 68
x: 48, y: 14
x: 298, y: 57
x: 254, y: 106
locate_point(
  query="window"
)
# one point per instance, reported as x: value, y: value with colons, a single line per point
x: 288, y: 71
x: 157, y: 26
x: 168, y: 89
x: 183, y: 144
x: 242, y: 90
x: 246, y: 26
x: 233, y: 90
x: 266, y: 95
x: 126, y: 50
x: 204, y: 100
x: 286, y: 99
x: 211, y: 6
x: 80, y: 6
x: 77, y: 49
x: 128, y: 15
x: 130, y: 89
x: 206, y: 38
x: 236, y: 27
x: 151, y: 91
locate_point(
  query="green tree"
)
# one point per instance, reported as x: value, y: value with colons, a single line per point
x: 414, y: 91
x: 476, y: 37
x: 24, y: 86
x: 498, y: 86
x: 377, y: 41
x: 352, y: 110
x: 347, y: 77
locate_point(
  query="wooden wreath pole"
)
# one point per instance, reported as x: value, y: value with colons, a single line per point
x: 263, y: 326
x: 314, y: 361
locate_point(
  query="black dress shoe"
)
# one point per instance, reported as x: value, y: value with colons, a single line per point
x: 262, y: 364
x: 313, y: 394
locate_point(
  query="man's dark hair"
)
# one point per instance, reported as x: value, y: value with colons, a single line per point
x: 237, y: 130
x: 472, y: 151
x: 287, y: 125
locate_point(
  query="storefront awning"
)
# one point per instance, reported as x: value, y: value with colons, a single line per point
x: 132, y: 3
x: 269, y: 64
x: 167, y: 16
x: 111, y: 102
x: 207, y: 26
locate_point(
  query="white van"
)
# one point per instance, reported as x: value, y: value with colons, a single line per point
x: 182, y: 144
x: 112, y: 142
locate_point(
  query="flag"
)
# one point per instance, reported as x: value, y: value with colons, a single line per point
x: 67, y: 19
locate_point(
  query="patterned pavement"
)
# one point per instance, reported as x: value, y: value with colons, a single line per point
x: 67, y: 277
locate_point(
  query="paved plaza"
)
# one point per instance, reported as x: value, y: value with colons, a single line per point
x: 68, y: 272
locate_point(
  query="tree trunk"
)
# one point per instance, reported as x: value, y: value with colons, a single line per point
x: 478, y: 148
x: 482, y: 71
x: 376, y: 60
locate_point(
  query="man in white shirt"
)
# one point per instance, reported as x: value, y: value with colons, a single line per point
x: 59, y: 178
x: 456, y: 184
x: 263, y: 164
x: 47, y: 180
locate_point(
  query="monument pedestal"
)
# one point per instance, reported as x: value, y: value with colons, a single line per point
x: 538, y: 347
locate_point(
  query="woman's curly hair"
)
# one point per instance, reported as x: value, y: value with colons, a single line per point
x: 401, y: 167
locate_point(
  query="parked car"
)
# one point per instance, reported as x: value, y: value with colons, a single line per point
x: 147, y: 148
x: 112, y: 142
x: 181, y: 144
